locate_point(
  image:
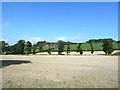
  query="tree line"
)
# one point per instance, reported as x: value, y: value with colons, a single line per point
x: 23, y: 47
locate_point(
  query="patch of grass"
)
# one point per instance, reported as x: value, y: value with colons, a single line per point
x: 96, y: 46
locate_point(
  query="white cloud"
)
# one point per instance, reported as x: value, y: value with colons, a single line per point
x: 75, y: 38
x: 33, y: 39
x: 2, y: 39
x: 60, y: 38
x: 72, y: 38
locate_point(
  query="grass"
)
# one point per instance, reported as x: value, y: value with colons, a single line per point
x: 96, y: 46
x: 85, y: 47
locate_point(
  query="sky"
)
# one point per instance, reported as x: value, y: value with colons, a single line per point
x: 53, y: 21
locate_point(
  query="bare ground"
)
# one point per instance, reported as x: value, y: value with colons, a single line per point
x: 45, y: 71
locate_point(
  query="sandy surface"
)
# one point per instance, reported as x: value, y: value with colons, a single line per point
x: 61, y: 71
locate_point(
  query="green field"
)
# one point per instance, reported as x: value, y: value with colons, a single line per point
x: 96, y: 46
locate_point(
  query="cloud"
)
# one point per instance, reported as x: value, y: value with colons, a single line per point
x: 60, y: 38
x: 33, y: 39
x: 2, y: 39
x: 75, y: 38
x: 72, y: 38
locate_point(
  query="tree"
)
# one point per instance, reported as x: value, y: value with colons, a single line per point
x: 98, y: 40
x: 40, y: 45
x: 20, y: 47
x: 91, y: 45
x: 60, y: 45
x: 118, y: 41
x: 92, y: 50
x: 34, y: 49
x: 108, y: 46
x: 0, y: 47
x: 79, y: 48
x: 68, y: 47
x: 3, y: 46
x: 14, y: 49
x: 28, y: 47
x: 49, y: 48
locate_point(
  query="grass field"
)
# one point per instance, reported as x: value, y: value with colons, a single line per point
x: 86, y: 46
x: 45, y: 71
x: 96, y: 46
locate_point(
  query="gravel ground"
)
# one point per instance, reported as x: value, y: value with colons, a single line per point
x: 45, y: 71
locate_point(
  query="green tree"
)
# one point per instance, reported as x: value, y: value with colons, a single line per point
x: 92, y: 50
x: 40, y: 45
x: 108, y: 46
x: 20, y: 47
x: 34, y: 49
x: 118, y: 41
x: 28, y: 47
x: 14, y: 49
x: 49, y: 48
x: 60, y: 45
x: 79, y: 48
x: 3, y: 46
x: 91, y: 45
x: 68, y: 48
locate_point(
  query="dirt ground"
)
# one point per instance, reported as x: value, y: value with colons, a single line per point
x: 54, y: 71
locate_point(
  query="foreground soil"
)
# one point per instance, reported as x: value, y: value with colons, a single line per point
x: 45, y: 71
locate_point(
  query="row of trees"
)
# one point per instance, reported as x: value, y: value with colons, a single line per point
x: 101, y: 40
x: 22, y: 47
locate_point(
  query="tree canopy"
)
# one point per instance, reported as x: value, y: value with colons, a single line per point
x: 79, y: 48
x: 108, y: 46
x: 60, y: 47
x: 68, y: 47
